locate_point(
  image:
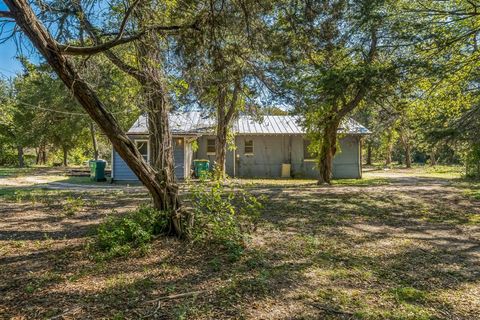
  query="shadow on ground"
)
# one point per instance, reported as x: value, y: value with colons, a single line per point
x: 403, y: 249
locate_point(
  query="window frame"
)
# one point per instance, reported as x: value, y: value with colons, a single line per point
x: 136, y: 141
x: 211, y: 153
x: 245, y: 147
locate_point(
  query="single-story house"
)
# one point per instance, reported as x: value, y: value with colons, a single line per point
x: 268, y: 147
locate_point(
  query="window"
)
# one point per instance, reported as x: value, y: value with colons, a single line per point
x: 306, y: 153
x: 248, y: 147
x: 142, y: 147
x: 210, y: 146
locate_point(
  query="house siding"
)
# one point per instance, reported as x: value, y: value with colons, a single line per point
x: 270, y: 151
x: 122, y: 172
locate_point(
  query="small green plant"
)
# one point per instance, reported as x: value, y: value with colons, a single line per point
x: 72, y: 205
x: 223, y: 215
x: 409, y: 294
x: 119, y: 235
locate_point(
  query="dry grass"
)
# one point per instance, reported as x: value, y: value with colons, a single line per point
x: 396, y: 245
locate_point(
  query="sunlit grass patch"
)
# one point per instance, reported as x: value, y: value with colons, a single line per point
x: 14, y: 172
x: 409, y: 294
x: 444, y: 171
x: 28, y: 194
x: 366, y: 181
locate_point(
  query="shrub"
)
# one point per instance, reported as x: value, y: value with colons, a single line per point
x: 473, y: 162
x: 119, y: 235
x: 223, y: 215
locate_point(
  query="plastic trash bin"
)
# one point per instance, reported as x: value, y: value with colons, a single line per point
x: 97, y: 170
x: 201, y: 168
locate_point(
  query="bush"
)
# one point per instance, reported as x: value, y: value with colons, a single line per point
x: 223, y: 215
x: 8, y: 158
x: 473, y: 162
x: 119, y: 235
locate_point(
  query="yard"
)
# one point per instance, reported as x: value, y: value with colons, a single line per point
x: 399, y: 244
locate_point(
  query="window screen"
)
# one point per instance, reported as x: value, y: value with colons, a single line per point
x: 210, y: 146
x: 248, y: 147
x: 142, y: 147
x: 306, y: 154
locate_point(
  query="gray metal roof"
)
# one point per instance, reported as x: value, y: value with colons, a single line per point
x: 194, y: 122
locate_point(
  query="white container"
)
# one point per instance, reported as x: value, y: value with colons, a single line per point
x: 286, y: 167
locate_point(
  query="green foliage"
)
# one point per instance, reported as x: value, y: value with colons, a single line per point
x: 120, y: 235
x: 72, y: 205
x: 473, y: 162
x: 409, y: 294
x: 223, y: 215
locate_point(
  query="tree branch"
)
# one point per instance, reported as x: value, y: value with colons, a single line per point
x: 6, y: 14
x: 79, y: 51
x: 75, y: 51
x: 119, y: 63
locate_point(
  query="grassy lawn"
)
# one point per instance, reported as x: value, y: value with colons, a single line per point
x: 398, y: 244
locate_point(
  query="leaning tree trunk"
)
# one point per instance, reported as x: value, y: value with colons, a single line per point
x: 328, y: 149
x: 87, y: 97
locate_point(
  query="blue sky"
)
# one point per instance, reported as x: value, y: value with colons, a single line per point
x: 9, y: 65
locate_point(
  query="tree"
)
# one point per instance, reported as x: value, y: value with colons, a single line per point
x: 48, y: 112
x: 331, y: 64
x: 220, y: 65
x: 446, y: 38
x: 158, y: 179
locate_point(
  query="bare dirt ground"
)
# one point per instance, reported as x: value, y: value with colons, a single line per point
x: 397, y: 245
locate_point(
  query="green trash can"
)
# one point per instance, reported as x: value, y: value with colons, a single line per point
x: 97, y: 170
x: 201, y: 168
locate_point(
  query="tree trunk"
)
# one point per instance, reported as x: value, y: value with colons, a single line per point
x: 221, y: 134
x: 65, y: 156
x: 225, y: 114
x: 433, y: 157
x: 369, y: 154
x: 21, y: 162
x: 160, y: 139
x: 41, y: 155
x: 94, y: 141
x: 328, y: 149
x: 408, y: 156
x: 388, y: 156
x: 220, y: 147
x: 88, y: 99
x: 44, y: 156
x: 407, y: 149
